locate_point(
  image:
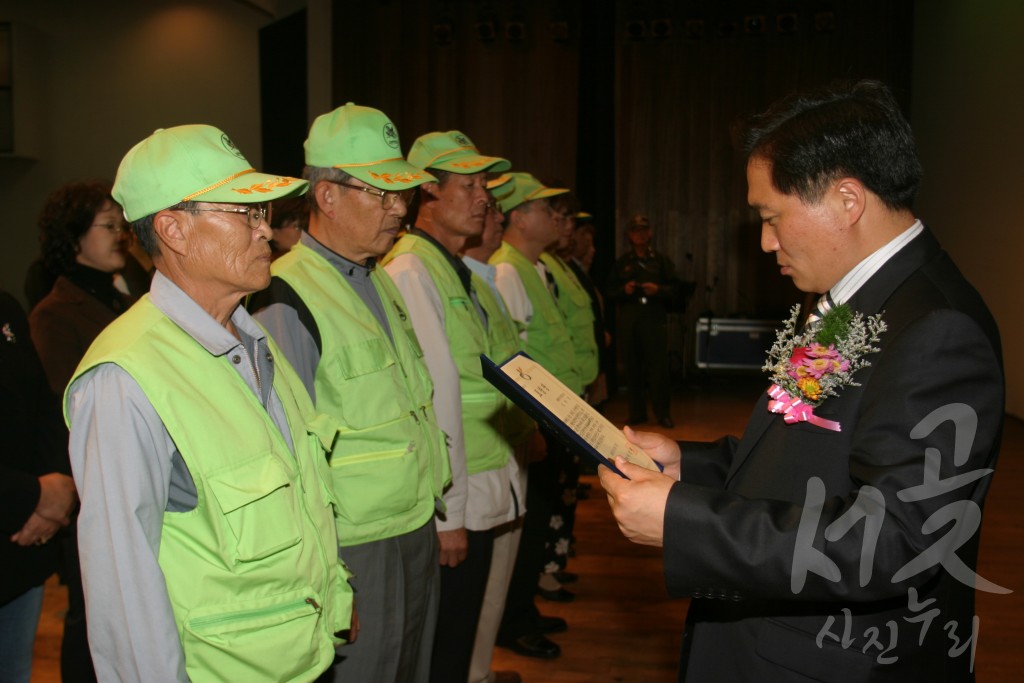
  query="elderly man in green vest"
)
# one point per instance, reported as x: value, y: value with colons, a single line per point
x: 519, y: 429
x: 346, y: 328
x: 207, y: 533
x: 576, y: 306
x: 529, y: 292
x: 448, y: 306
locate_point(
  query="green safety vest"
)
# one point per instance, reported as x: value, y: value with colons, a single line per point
x: 574, y: 303
x: 390, y: 462
x: 547, y: 335
x: 484, y: 408
x: 517, y: 426
x: 252, y: 572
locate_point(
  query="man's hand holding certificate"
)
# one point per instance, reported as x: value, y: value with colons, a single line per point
x: 547, y: 400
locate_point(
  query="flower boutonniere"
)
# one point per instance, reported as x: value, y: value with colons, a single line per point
x: 8, y: 333
x: 809, y: 366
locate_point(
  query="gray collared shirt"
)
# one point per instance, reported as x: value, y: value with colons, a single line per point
x: 129, y: 472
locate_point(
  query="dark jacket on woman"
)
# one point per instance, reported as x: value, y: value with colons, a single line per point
x: 34, y: 443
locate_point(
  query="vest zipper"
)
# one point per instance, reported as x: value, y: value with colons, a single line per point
x: 217, y: 619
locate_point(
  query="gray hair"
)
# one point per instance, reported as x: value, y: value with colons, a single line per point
x: 317, y: 174
x: 143, y: 227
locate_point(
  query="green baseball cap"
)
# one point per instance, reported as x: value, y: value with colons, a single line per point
x: 526, y: 188
x: 363, y: 142
x: 192, y: 163
x: 454, y: 152
x: 500, y: 187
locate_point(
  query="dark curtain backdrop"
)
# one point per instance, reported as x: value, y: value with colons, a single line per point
x: 496, y: 71
x: 638, y: 105
x: 682, y: 102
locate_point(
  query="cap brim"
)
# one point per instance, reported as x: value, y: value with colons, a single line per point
x: 394, y: 174
x: 254, y: 188
x: 473, y: 163
x: 499, y: 182
x: 547, y: 192
x: 513, y: 200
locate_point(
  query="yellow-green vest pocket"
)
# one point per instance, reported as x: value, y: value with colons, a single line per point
x: 228, y: 642
x: 258, y: 502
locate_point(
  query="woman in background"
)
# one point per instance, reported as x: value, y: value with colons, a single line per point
x: 85, y: 241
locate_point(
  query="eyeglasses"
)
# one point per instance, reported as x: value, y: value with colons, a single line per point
x: 387, y: 199
x: 254, y: 213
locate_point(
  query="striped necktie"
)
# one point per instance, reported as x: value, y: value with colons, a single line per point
x: 823, y: 306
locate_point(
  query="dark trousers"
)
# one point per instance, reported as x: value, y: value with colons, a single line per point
x: 521, y: 613
x: 462, y: 595
x: 645, y: 350
x: 563, y: 470
x: 75, y: 659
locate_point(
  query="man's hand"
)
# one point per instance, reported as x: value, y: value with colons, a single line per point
x: 57, y: 497
x: 352, y: 632
x: 629, y: 287
x: 650, y: 288
x: 658, y: 446
x: 454, y: 547
x: 638, y: 503
x: 537, y: 449
x: 37, y: 531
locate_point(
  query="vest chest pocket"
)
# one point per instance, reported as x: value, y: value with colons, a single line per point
x: 259, y: 504
x: 364, y: 379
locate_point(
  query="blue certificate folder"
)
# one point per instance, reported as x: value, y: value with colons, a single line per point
x: 557, y: 409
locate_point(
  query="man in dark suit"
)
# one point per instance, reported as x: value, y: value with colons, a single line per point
x: 823, y: 550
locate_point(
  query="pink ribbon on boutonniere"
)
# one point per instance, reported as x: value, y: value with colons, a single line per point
x: 795, y: 410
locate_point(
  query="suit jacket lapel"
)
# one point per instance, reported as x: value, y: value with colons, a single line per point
x: 869, y: 299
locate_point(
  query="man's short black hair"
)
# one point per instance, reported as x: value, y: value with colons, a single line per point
x: 858, y: 131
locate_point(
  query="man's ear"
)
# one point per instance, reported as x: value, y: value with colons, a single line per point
x: 430, y: 189
x: 325, y: 198
x: 852, y: 195
x: 171, y: 231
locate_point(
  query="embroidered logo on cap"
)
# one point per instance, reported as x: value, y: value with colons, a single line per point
x: 401, y: 177
x: 265, y: 186
x: 391, y: 135
x: 463, y: 140
x: 230, y: 146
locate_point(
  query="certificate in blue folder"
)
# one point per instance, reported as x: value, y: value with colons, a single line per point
x: 571, y: 419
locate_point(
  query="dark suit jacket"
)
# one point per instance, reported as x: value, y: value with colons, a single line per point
x: 64, y: 324
x: 35, y: 443
x: 733, y: 526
